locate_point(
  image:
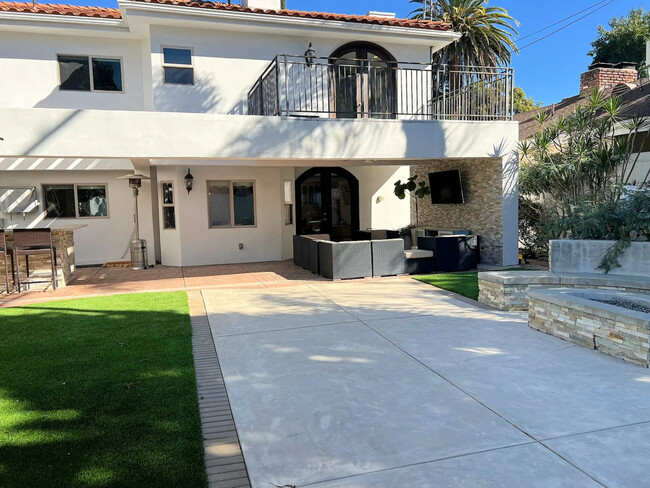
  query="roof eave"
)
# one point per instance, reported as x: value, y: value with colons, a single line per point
x: 61, y: 19
x: 234, y: 16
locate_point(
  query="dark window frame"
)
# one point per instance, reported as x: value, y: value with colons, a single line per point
x: 231, y: 200
x: 91, y: 78
x: 177, y: 66
x: 75, y: 189
x: 165, y: 205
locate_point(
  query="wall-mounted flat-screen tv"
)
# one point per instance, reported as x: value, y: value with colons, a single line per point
x: 446, y: 187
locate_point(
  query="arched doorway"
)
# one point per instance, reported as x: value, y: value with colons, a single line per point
x: 328, y: 203
x: 364, y: 82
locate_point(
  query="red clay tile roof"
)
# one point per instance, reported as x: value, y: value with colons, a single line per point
x: 47, y: 8
x: 362, y: 19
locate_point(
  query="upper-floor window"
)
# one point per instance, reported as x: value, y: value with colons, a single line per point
x: 177, y: 66
x: 90, y: 73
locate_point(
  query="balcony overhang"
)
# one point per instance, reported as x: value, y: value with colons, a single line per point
x: 64, y: 133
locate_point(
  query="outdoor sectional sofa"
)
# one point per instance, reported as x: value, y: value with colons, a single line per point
x: 349, y: 259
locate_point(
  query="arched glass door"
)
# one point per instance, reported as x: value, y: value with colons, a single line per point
x: 363, y: 81
x: 328, y: 203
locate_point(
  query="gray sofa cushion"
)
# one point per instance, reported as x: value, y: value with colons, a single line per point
x: 302, y: 247
x: 345, y: 260
x: 304, y: 252
x: 313, y: 255
x: 388, y: 257
x: 296, y: 250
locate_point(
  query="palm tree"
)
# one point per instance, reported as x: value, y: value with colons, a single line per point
x: 487, y: 32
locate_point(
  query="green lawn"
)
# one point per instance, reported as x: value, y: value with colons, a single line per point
x: 465, y: 284
x: 99, y: 393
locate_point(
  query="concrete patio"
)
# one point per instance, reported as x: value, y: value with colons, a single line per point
x: 393, y: 383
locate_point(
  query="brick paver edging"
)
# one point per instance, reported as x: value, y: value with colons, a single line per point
x: 224, y: 460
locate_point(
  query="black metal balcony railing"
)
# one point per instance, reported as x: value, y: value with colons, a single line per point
x: 357, y: 88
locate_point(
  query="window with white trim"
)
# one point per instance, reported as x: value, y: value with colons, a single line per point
x: 288, y: 202
x: 178, y: 66
x: 75, y: 201
x: 231, y: 203
x: 90, y: 73
x: 168, y: 207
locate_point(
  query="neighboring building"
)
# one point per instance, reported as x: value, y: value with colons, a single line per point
x: 622, y: 80
x: 278, y: 142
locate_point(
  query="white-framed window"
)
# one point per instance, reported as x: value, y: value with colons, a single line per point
x: 75, y: 201
x: 231, y: 204
x: 90, y: 73
x: 288, y: 202
x: 178, y: 65
x: 168, y: 206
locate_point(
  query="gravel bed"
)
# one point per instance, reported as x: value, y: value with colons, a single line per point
x: 623, y: 304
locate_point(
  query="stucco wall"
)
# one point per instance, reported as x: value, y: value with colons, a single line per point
x: 482, y: 212
x: 193, y: 242
x: 31, y: 72
x: 100, y: 239
x: 227, y: 63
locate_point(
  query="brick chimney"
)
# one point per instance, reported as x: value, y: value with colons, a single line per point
x: 607, y: 75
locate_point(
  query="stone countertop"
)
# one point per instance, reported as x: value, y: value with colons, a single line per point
x: 70, y: 227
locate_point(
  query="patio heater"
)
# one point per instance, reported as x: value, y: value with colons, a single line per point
x: 139, y: 258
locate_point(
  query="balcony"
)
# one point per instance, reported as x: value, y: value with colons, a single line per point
x: 348, y: 88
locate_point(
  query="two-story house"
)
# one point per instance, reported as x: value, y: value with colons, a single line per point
x: 286, y: 121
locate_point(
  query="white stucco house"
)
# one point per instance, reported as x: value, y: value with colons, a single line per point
x: 279, y: 139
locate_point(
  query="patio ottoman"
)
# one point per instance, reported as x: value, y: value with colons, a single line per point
x: 418, y: 261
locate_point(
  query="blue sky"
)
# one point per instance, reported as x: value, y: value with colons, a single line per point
x: 549, y: 71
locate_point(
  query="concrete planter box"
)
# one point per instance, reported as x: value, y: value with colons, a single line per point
x: 574, y: 316
x: 508, y: 290
x: 584, y: 256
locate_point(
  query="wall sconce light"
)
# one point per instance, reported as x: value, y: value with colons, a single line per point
x: 310, y: 54
x: 189, y: 181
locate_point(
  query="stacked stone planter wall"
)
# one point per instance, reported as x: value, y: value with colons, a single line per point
x: 574, y: 264
x: 572, y: 315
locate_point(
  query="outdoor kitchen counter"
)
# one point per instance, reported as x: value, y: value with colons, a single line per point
x: 63, y: 242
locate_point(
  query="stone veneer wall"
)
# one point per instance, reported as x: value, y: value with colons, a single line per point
x: 592, y: 330
x: 482, y: 212
x: 509, y: 290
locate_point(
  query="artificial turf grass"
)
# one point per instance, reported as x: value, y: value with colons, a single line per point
x: 465, y: 284
x: 99, y: 392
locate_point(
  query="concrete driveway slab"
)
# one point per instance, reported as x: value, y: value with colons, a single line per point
x: 324, y: 402
x: 396, y: 298
x: 247, y: 311
x: 618, y: 458
x: 544, y: 385
x: 386, y: 384
x: 530, y: 466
